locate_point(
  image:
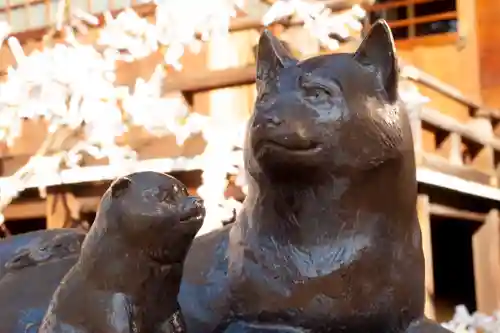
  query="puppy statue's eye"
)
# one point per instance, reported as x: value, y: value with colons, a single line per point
x: 168, y: 196
x: 183, y: 190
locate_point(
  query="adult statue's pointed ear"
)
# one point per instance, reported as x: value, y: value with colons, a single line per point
x: 378, y: 50
x: 271, y: 56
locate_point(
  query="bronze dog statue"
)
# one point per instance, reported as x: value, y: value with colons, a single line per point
x: 328, y: 239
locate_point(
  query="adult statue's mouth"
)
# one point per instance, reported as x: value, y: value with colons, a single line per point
x: 294, y: 147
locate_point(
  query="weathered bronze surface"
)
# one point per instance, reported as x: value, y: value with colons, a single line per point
x: 31, y: 267
x: 38, y: 247
x: 128, y: 274
x: 328, y: 239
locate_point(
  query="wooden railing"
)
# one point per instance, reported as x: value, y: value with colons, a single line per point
x: 464, y: 141
x: 404, y: 19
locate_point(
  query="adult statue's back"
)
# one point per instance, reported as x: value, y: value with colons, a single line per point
x: 328, y: 239
x: 31, y: 267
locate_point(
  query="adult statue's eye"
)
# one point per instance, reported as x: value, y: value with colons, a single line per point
x: 317, y: 92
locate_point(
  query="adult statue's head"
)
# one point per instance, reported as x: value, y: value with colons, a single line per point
x: 334, y: 114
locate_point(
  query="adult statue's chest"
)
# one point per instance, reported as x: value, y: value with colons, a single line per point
x: 229, y: 280
x: 285, y: 282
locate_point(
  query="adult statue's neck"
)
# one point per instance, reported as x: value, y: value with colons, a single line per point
x: 381, y: 200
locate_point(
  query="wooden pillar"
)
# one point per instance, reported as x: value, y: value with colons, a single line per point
x: 423, y: 209
x: 62, y: 209
x: 227, y: 107
x: 486, y: 256
x: 468, y: 58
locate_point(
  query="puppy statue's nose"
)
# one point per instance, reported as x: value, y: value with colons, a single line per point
x: 192, y: 202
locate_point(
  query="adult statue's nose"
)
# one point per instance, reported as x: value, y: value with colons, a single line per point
x: 272, y: 121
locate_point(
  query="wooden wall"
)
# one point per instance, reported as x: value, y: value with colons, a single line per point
x: 451, y: 57
x: 469, y: 60
x: 488, y: 35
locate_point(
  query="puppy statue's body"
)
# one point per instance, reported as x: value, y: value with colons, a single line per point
x: 128, y: 275
x: 328, y: 239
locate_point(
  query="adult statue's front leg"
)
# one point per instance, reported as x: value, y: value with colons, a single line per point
x: 244, y: 327
x: 425, y: 325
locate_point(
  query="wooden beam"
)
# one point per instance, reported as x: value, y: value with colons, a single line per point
x: 24, y: 210
x: 466, y: 172
x: 210, y: 79
x: 486, y: 257
x: 424, y: 213
x: 110, y: 172
x: 454, y: 183
x: 450, y: 212
x: 450, y: 124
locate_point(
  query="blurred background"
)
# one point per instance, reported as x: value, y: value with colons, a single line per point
x: 94, y: 89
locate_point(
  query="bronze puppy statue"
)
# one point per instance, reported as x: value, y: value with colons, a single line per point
x: 128, y: 274
x: 32, y: 265
x: 328, y: 238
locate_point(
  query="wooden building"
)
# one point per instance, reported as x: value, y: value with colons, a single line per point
x: 452, y: 43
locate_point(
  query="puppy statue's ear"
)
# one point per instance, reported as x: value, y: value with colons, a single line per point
x: 120, y: 186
